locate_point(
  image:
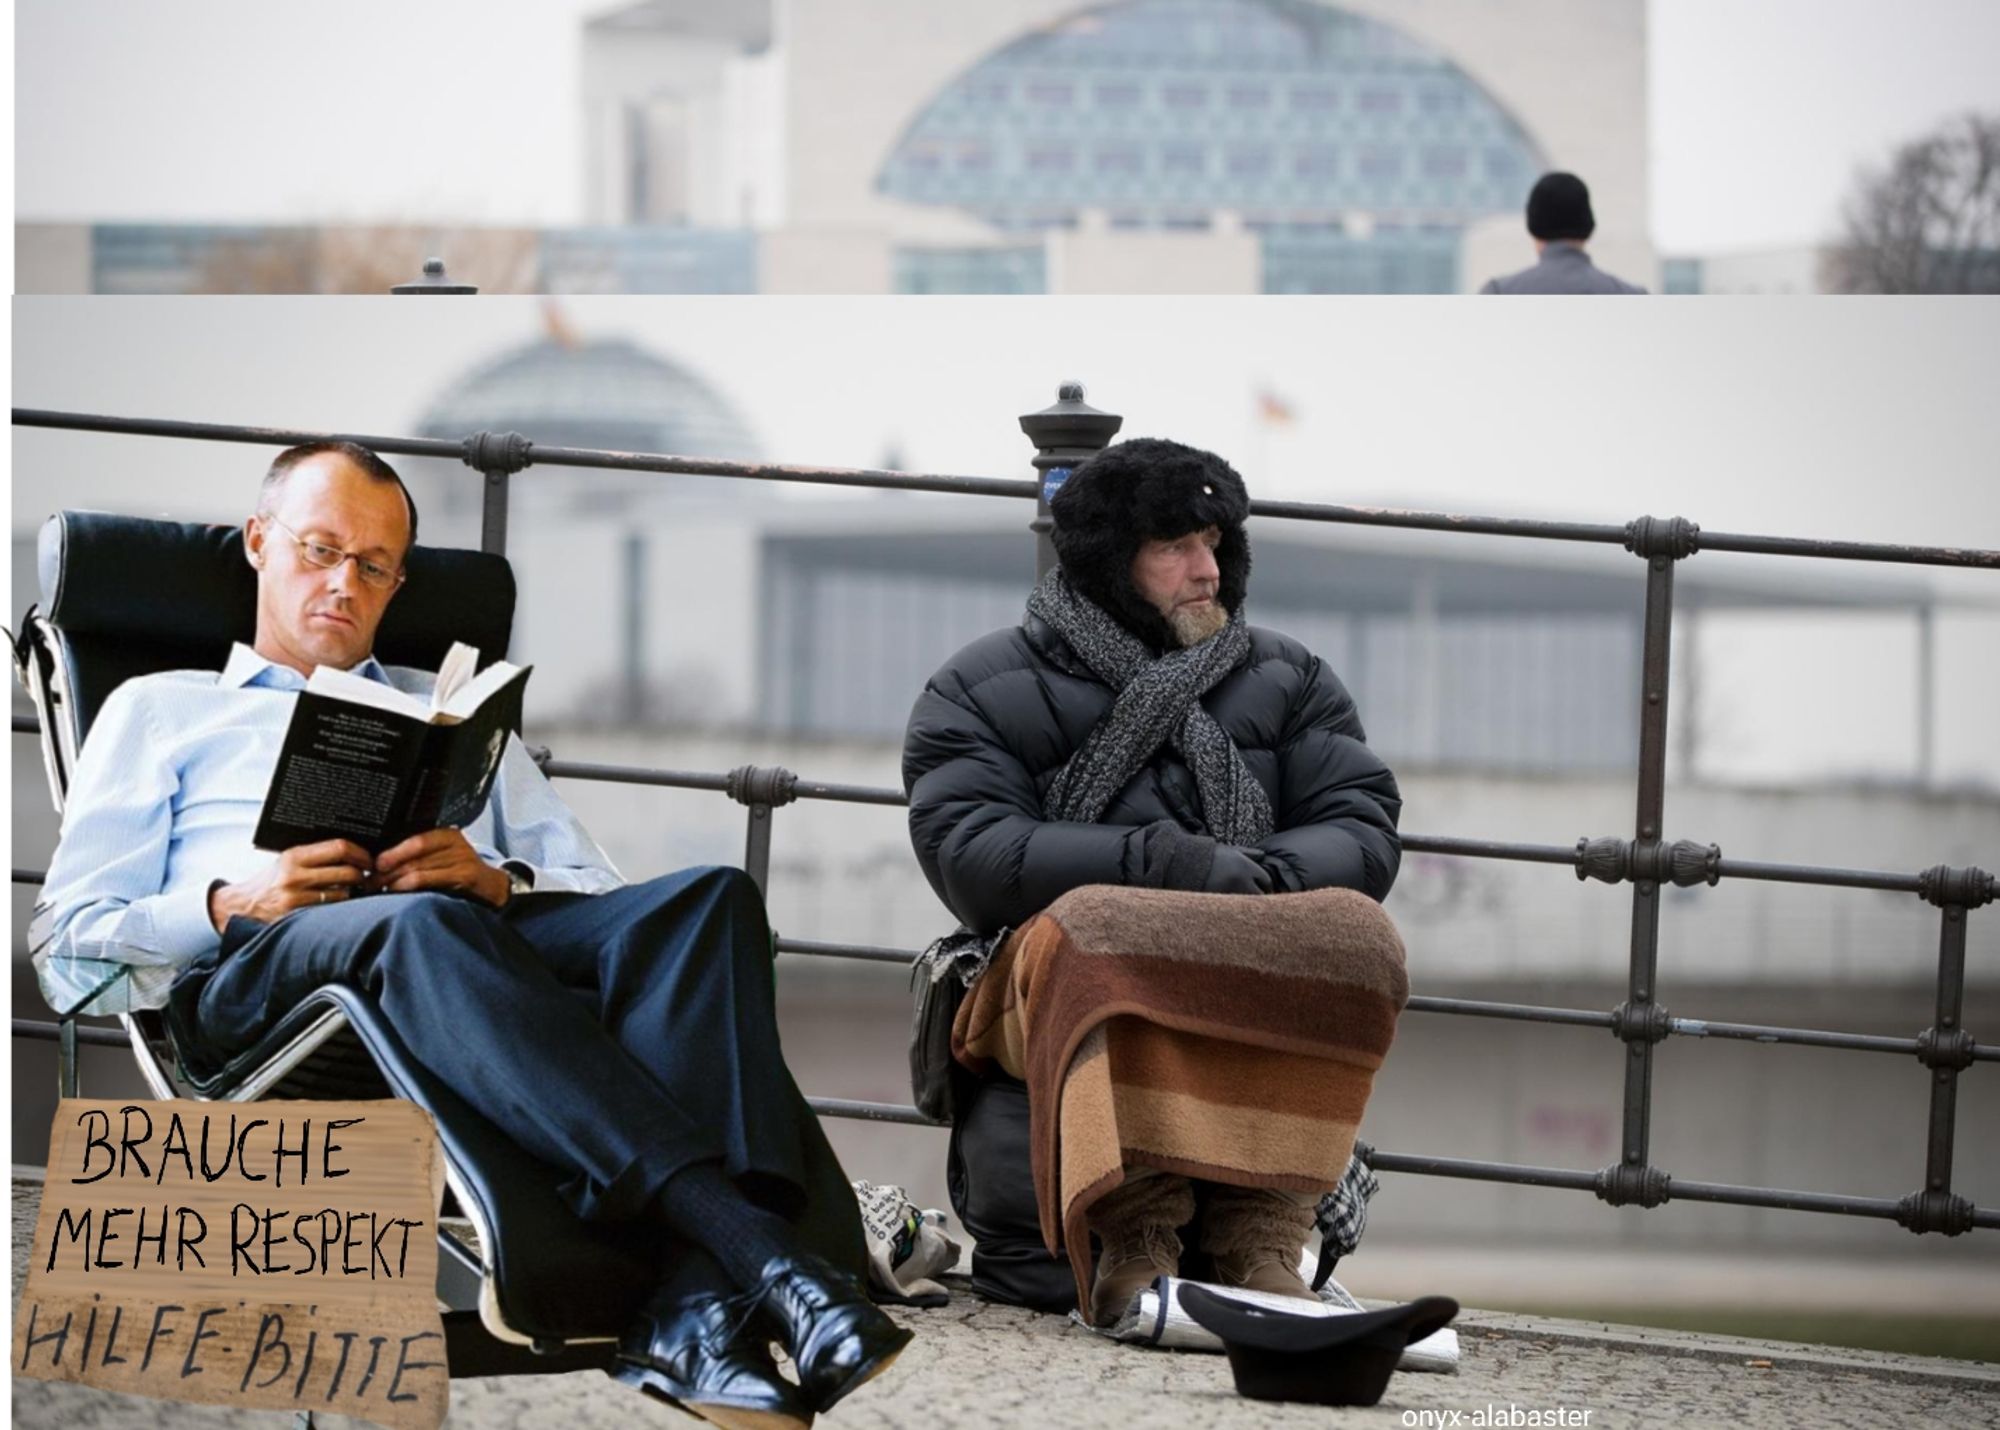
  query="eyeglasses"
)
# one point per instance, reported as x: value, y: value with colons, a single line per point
x: 318, y: 553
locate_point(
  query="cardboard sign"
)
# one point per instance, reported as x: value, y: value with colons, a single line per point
x: 271, y: 1254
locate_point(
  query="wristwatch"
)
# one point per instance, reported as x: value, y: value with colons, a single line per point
x: 520, y: 879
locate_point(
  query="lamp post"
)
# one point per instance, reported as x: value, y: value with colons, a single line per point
x: 1065, y: 436
x: 433, y: 281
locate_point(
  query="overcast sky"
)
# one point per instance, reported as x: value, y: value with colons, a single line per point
x: 1863, y: 419
x: 467, y: 110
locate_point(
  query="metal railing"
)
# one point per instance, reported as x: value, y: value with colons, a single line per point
x: 1068, y: 433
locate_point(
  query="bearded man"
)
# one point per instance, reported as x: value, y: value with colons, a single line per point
x: 1166, y: 840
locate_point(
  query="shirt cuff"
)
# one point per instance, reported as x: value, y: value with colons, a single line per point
x: 568, y: 880
x: 181, y: 926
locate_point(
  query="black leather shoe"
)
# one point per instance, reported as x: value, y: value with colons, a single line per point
x: 838, y: 1338
x: 700, y: 1355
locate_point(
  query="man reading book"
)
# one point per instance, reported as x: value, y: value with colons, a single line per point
x: 623, y: 1033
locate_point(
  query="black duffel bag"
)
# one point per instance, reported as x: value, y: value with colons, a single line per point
x: 935, y: 1077
x: 993, y: 1191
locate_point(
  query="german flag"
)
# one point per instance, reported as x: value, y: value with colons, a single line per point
x: 1273, y: 410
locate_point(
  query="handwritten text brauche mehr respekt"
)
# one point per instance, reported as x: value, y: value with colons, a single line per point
x: 296, y: 1239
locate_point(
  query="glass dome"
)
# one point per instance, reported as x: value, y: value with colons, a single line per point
x: 607, y: 393
x: 1328, y: 133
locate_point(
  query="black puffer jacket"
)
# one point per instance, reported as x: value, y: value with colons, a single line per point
x: 993, y: 727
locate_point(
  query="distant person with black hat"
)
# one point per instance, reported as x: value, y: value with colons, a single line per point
x: 1561, y: 223
x: 1166, y: 839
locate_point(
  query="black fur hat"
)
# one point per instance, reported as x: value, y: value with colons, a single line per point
x: 1143, y: 490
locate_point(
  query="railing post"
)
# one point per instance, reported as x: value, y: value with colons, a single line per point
x: 496, y: 456
x: 763, y: 788
x: 1946, y: 1049
x: 1065, y: 436
x: 1640, y: 1021
x: 757, y: 847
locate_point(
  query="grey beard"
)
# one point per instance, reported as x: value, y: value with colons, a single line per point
x: 1192, y: 625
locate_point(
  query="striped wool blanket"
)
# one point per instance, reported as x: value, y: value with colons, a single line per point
x: 1230, y: 1038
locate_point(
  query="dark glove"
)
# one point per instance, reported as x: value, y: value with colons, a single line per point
x: 1235, y: 872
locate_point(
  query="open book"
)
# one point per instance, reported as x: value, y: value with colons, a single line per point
x: 367, y: 762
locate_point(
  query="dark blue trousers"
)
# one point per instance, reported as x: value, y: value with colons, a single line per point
x: 617, y: 1037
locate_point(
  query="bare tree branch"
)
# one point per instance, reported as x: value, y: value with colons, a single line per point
x: 1930, y: 221
x: 370, y: 258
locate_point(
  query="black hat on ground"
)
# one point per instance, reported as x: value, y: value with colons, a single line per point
x: 1342, y: 1359
x: 1559, y: 208
x: 1147, y: 489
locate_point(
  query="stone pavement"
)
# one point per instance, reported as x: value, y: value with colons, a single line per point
x: 975, y: 1364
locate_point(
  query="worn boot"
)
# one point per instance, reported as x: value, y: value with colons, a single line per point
x: 1138, y: 1226
x: 1256, y: 1236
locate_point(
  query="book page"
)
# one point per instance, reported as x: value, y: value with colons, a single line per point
x: 359, y: 690
x: 474, y: 692
x: 461, y: 662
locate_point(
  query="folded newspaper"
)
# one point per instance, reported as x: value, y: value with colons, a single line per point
x: 906, y: 1247
x: 1156, y: 1318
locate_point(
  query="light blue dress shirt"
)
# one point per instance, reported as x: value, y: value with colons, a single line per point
x: 163, y: 803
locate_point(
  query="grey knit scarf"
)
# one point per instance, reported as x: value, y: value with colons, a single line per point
x: 1159, y: 703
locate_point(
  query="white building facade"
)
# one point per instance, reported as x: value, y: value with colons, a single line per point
x: 1143, y: 146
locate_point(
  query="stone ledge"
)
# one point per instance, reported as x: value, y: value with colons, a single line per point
x: 1654, y: 1340
x: 978, y: 1364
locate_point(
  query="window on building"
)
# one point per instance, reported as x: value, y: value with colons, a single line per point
x: 971, y: 270
x: 1248, y: 162
x: 1380, y: 161
x: 1316, y: 162
x: 1444, y: 162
